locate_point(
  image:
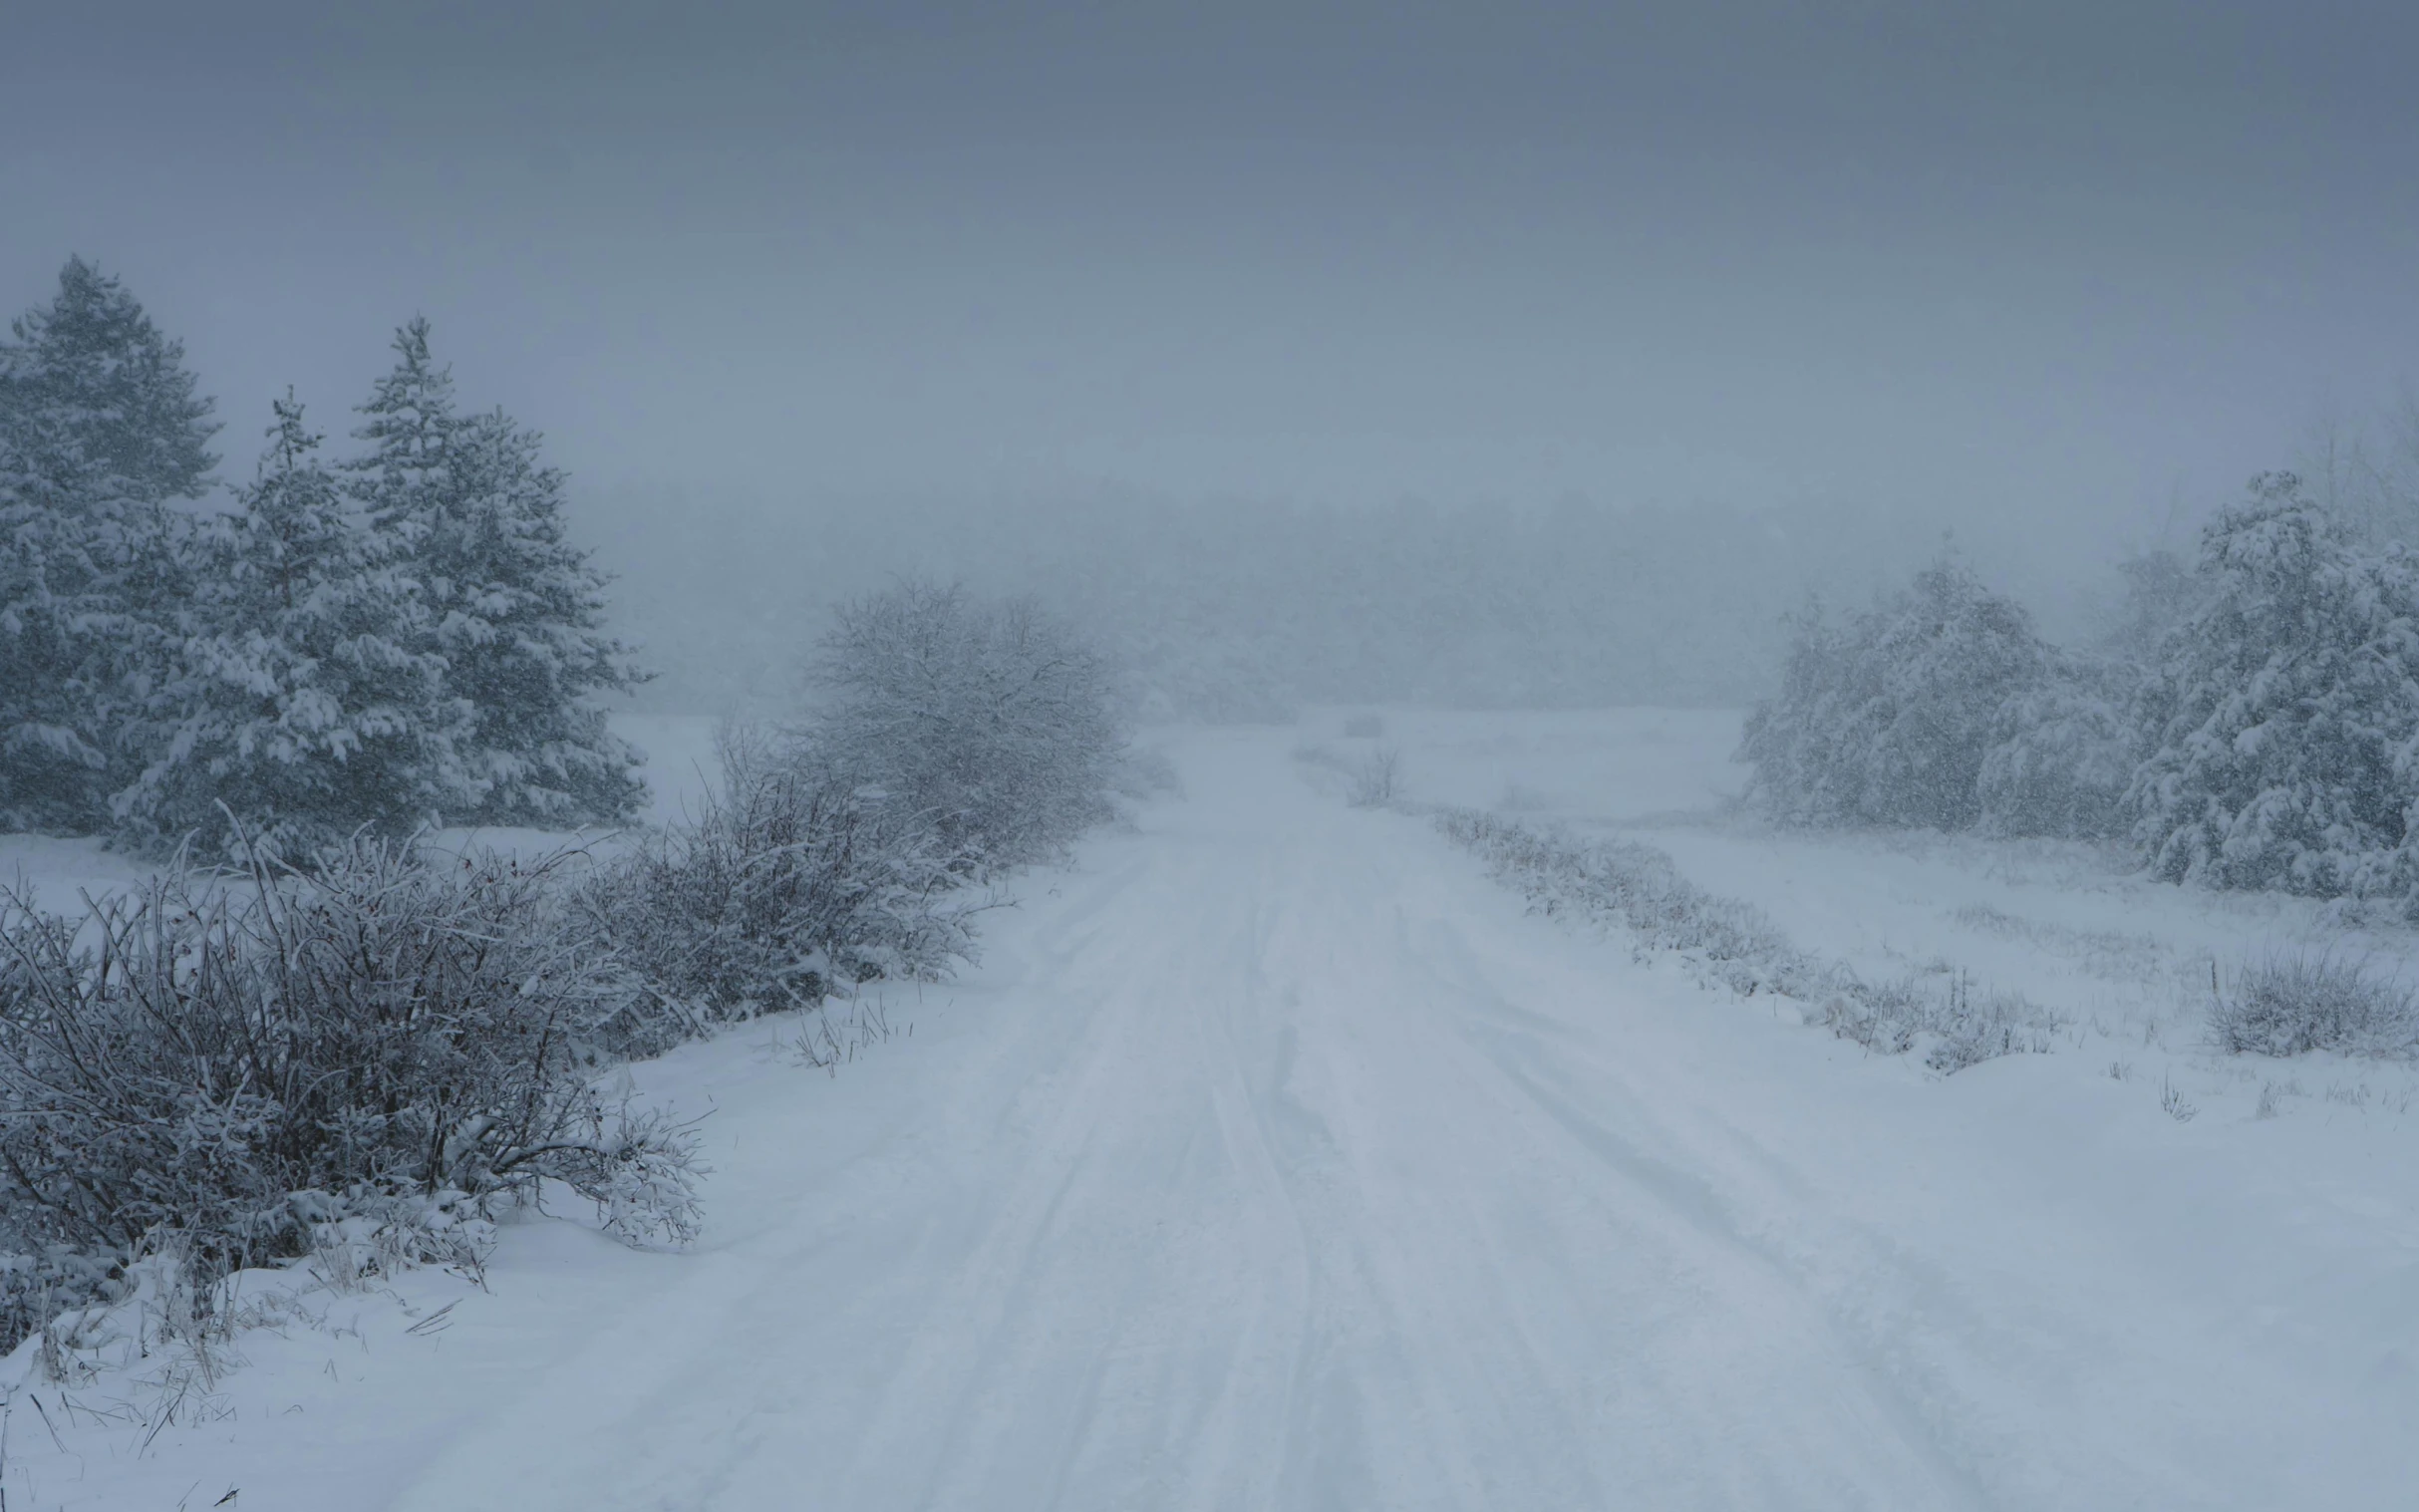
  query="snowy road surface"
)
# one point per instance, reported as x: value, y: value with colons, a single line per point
x: 1272, y: 1159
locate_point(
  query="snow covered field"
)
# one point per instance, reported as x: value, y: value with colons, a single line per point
x: 1272, y: 1156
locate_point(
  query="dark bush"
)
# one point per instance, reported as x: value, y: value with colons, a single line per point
x: 217, y: 1071
x: 780, y: 891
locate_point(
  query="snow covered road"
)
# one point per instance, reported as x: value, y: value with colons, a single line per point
x: 1272, y: 1159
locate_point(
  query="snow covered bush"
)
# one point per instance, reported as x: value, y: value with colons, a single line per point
x: 297, y: 710
x: 991, y: 724
x: 219, y: 1073
x: 1887, y: 717
x: 2062, y: 755
x: 2294, y: 1003
x: 780, y: 892
x: 2279, y: 724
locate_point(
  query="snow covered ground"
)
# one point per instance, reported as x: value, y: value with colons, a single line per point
x: 1272, y: 1156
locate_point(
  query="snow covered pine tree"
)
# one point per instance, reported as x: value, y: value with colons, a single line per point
x: 516, y: 611
x: 2280, y: 722
x: 100, y: 428
x: 299, y: 701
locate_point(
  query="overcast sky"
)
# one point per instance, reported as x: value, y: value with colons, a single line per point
x: 2043, y: 256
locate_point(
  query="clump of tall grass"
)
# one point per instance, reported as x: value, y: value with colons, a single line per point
x: 2292, y: 1002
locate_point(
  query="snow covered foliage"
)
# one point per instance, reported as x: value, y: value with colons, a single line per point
x: 2253, y: 722
x: 1888, y: 717
x: 299, y: 706
x: 2062, y: 753
x: 402, y: 638
x: 217, y: 1072
x: 513, y: 609
x: 99, y: 403
x: 780, y: 892
x: 99, y: 429
x: 2280, y: 722
x: 991, y: 724
x: 2292, y: 1003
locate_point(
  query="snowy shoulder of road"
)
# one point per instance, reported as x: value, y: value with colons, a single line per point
x: 1272, y: 1156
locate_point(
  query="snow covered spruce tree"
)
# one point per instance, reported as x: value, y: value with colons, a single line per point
x: 1889, y: 717
x: 989, y: 722
x: 516, y: 611
x: 99, y: 429
x: 2281, y: 720
x: 300, y: 701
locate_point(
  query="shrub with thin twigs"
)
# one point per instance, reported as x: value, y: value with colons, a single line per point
x: 991, y: 723
x: 779, y: 893
x: 218, y: 1072
x: 1376, y: 778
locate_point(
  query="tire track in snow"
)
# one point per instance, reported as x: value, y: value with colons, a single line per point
x: 1215, y: 1201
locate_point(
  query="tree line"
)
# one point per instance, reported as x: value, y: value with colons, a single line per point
x: 389, y: 640
x: 2251, y: 722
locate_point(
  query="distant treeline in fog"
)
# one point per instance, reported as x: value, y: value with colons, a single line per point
x: 1247, y: 610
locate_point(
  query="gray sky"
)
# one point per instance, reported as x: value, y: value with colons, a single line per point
x: 2032, y: 257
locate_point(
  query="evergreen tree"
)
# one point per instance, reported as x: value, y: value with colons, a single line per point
x: 100, y: 428
x: 514, y: 608
x: 98, y: 402
x: 410, y: 423
x: 1887, y: 719
x: 302, y: 703
x: 2280, y: 726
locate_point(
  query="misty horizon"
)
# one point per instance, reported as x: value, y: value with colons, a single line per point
x: 2046, y: 275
